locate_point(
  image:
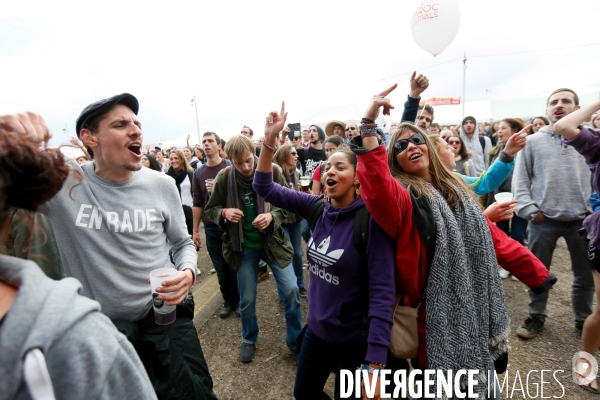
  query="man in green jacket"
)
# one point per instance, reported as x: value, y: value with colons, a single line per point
x: 252, y: 231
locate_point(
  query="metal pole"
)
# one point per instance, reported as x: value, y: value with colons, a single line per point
x: 197, y: 124
x: 464, y: 83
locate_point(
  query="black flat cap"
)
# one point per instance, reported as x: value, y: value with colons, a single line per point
x: 103, y: 106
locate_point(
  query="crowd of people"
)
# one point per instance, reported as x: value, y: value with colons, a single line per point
x: 406, y: 218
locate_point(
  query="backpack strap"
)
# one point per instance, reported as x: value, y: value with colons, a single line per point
x: 482, y: 142
x: 315, y: 212
x: 198, y: 174
x: 361, y: 232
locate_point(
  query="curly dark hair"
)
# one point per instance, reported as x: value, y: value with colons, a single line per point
x: 30, y: 175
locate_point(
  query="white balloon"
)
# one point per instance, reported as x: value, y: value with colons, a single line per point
x: 435, y: 24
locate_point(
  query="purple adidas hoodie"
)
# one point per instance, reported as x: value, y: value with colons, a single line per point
x: 336, y: 303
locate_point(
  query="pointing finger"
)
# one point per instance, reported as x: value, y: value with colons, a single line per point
x: 388, y: 90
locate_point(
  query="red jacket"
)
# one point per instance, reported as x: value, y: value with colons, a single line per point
x: 391, y: 206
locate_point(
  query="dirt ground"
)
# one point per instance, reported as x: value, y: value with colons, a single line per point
x: 272, y: 372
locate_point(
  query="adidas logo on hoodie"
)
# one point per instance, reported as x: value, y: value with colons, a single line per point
x: 320, y: 256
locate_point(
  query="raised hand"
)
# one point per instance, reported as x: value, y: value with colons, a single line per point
x: 27, y: 124
x: 418, y: 84
x: 517, y: 141
x: 380, y: 100
x: 274, y: 124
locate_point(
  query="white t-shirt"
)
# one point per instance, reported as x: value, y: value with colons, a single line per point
x: 186, y: 192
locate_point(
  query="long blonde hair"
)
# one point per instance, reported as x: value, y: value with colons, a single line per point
x: 447, y: 183
x: 183, y: 164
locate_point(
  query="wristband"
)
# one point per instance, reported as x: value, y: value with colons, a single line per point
x: 195, y: 230
x: 369, y: 369
x: 269, y: 147
x: 366, y: 121
x: 223, y: 213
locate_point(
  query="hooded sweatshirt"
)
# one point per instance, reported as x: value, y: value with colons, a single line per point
x: 337, y: 299
x: 552, y: 177
x: 479, y: 158
x: 86, y: 357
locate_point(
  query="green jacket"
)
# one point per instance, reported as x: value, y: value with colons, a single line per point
x: 273, y: 239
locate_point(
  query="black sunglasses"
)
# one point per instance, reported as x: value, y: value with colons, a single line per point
x: 294, y: 153
x: 350, y: 128
x: 402, y: 144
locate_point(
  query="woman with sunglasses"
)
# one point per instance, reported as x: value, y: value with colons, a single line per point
x: 445, y: 249
x: 347, y: 294
x: 286, y: 157
x: 461, y: 155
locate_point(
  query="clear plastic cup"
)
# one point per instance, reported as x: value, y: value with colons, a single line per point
x: 305, y: 182
x: 209, y: 186
x: 163, y: 314
x: 503, y: 197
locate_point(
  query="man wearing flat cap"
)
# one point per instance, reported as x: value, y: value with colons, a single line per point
x: 112, y: 230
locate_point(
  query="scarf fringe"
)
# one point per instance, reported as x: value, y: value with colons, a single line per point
x: 499, y: 344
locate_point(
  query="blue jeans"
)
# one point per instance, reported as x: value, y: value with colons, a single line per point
x: 514, y: 227
x: 318, y: 358
x: 542, y: 242
x: 225, y: 273
x: 247, y: 277
x: 294, y: 233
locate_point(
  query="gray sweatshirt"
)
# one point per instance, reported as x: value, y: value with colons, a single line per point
x: 111, y: 235
x: 551, y: 177
x: 86, y: 357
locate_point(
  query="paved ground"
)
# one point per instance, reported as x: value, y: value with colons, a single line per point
x: 271, y: 375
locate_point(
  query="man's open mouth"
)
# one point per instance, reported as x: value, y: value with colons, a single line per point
x: 135, y: 148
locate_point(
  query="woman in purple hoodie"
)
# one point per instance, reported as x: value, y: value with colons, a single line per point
x: 350, y: 304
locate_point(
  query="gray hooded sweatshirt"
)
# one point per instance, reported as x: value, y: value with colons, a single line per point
x: 552, y: 177
x: 86, y: 357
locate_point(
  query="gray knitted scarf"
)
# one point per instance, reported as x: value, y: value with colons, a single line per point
x: 467, y: 319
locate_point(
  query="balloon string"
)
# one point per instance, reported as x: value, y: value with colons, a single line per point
x: 423, y: 109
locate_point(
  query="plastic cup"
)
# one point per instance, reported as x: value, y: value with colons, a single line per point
x: 163, y: 314
x: 305, y: 182
x: 209, y: 185
x: 503, y: 197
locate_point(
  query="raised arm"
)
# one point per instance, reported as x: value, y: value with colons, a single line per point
x: 500, y: 169
x: 418, y: 84
x: 387, y: 201
x: 568, y: 126
x: 278, y: 195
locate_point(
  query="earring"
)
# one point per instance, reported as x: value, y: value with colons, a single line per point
x: 357, y: 192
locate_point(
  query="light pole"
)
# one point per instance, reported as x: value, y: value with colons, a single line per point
x: 464, y: 83
x: 197, y: 124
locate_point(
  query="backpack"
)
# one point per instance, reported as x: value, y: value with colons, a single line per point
x: 482, y: 142
x: 361, y: 226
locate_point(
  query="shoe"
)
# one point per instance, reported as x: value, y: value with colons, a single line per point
x: 531, y: 327
x: 503, y: 273
x: 225, y: 311
x: 579, y: 326
x: 247, y: 352
x: 514, y: 278
x: 302, y: 292
x: 212, y: 270
x: 282, y: 304
x: 263, y: 273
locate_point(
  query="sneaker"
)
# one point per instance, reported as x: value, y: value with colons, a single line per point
x: 212, y: 270
x: 531, y: 327
x: 503, y: 273
x: 247, y: 352
x: 225, y: 311
x: 302, y: 292
x: 514, y: 278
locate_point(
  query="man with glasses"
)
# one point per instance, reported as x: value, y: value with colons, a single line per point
x: 351, y: 130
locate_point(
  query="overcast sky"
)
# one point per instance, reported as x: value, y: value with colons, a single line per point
x: 241, y: 58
